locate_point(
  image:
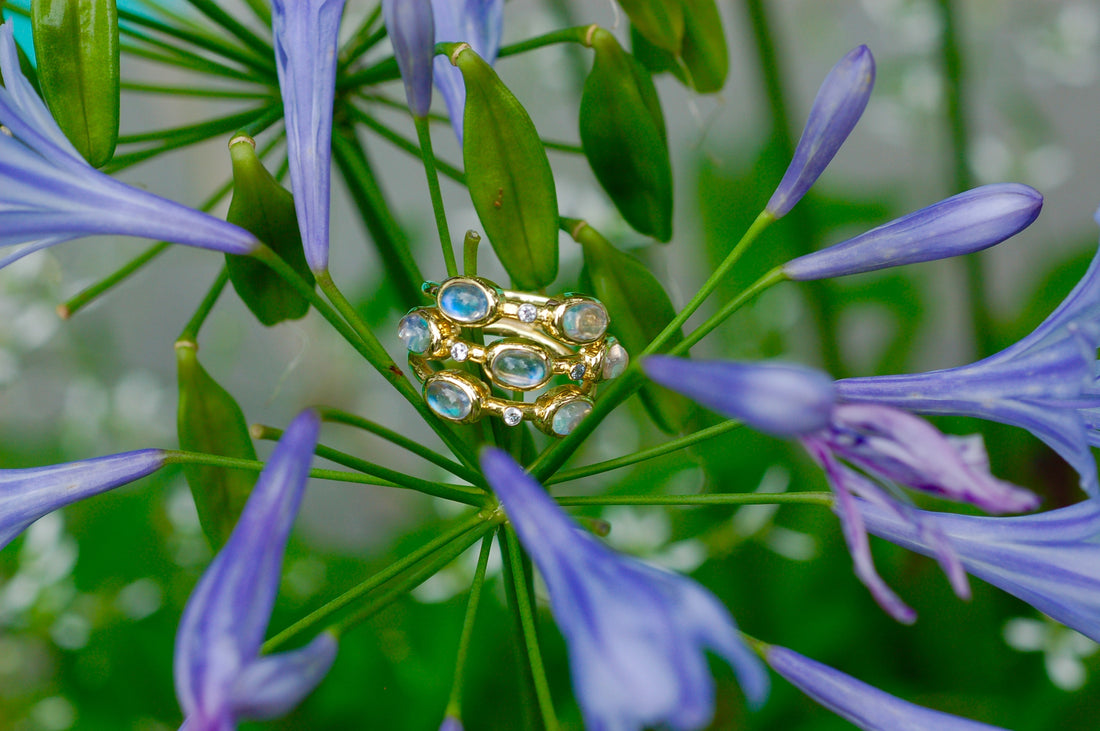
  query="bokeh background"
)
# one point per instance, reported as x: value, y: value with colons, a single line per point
x: 90, y: 597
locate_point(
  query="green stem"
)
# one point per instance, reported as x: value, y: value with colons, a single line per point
x: 364, y: 38
x: 470, y: 245
x: 322, y: 614
x: 255, y: 465
x: 395, y: 138
x: 563, y: 147
x: 343, y: 417
x: 576, y: 34
x: 622, y: 387
x: 513, y: 559
x: 161, y: 52
x: 78, y: 301
x: 415, y: 578
x: 474, y: 496
x: 674, y: 445
x: 424, y: 135
x: 770, y: 279
x: 208, y: 93
x: 454, y: 703
x: 214, y: 11
x: 824, y: 499
x: 982, y: 321
x: 263, y: 65
x: 190, y: 332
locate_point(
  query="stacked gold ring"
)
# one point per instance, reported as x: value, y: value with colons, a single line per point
x: 540, y: 338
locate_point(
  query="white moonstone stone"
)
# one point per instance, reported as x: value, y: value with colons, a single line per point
x: 568, y: 416
x: 584, y: 322
x: 415, y: 332
x: 520, y: 368
x: 615, y: 361
x: 448, y: 400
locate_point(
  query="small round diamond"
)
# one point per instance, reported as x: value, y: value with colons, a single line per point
x: 615, y: 361
x: 460, y: 351
x: 512, y: 416
x: 577, y: 372
x: 527, y: 312
x: 463, y: 301
x: 569, y: 415
x: 584, y: 321
x: 415, y: 332
x: 448, y: 400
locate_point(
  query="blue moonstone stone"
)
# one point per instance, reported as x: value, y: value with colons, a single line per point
x: 415, y: 332
x: 568, y: 416
x: 463, y: 302
x: 520, y: 368
x: 584, y: 322
x: 448, y: 400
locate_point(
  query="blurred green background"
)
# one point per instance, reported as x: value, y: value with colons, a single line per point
x: 90, y: 597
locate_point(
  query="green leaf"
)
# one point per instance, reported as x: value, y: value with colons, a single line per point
x: 704, y: 51
x: 210, y: 421
x: 623, y: 133
x: 265, y: 208
x: 639, y: 309
x: 508, y: 175
x: 661, y: 22
x: 76, y: 42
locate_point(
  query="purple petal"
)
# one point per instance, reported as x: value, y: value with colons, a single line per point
x: 839, y: 103
x: 450, y: 723
x: 224, y: 621
x: 865, y: 706
x: 28, y: 494
x: 477, y: 22
x: 305, y: 57
x: 964, y: 223
x: 1050, y: 560
x: 636, y: 635
x: 49, y: 194
x: 777, y: 398
x: 271, y: 686
x: 412, y: 33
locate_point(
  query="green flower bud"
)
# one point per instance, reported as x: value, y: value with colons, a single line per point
x: 76, y: 42
x: 639, y: 309
x: 508, y: 175
x: 266, y: 209
x: 210, y: 421
x: 623, y: 133
x: 661, y: 22
x: 704, y: 52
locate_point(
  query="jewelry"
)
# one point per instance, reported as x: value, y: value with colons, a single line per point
x: 540, y: 338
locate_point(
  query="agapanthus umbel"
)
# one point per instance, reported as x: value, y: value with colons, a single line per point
x: 50, y: 194
x: 28, y: 494
x: 220, y: 676
x: 838, y: 106
x: 886, y: 443
x: 1051, y: 560
x: 305, y: 57
x: 865, y: 706
x: 637, y: 635
x: 1045, y: 383
x: 961, y: 224
x: 477, y: 22
x: 411, y: 29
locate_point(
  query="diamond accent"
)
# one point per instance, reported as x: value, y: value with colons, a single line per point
x: 460, y: 351
x: 527, y: 312
x: 512, y: 416
x: 577, y: 372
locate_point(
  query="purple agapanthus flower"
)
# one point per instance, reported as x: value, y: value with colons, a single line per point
x: 28, y: 494
x: 886, y: 443
x: 636, y: 634
x: 50, y: 194
x: 961, y: 224
x: 220, y: 676
x: 1050, y: 560
x: 1045, y: 383
x: 411, y: 29
x: 838, y: 106
x: 477, y: 22
x: 305, y: 57
x: 865, y: 706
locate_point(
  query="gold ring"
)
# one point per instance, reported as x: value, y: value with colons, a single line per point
x: 538, y: 338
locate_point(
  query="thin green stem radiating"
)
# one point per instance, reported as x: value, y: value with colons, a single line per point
x: 318, y: 616
x: 454, y: 702
x: 576, y: 34
x: 214, y: 11
x: 424, y: 135
x: 395, y: 138
x: 517, y: 574
x: 825, y: 499
x: 343, y: 417
x: 770, y: 279
x: 255, y: 465
x: 190, y: 332
x: 363, y: 39
x: 261, y: 64
x: 178, y: 90
x: 669, y: 447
